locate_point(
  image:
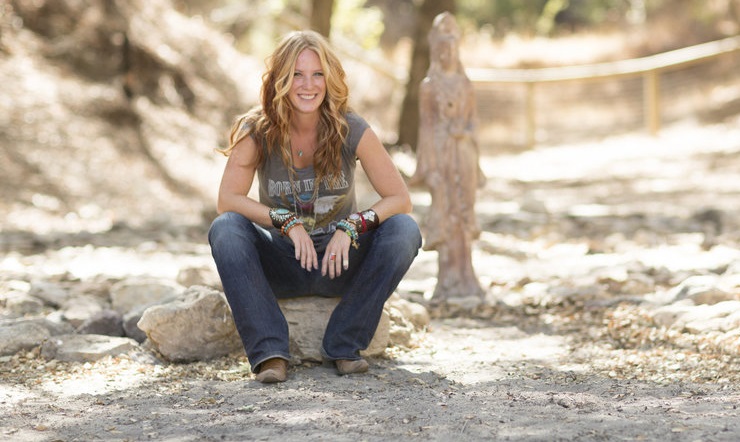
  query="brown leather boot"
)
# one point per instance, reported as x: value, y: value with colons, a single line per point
x: 273, y: 370
x: 346, y: 366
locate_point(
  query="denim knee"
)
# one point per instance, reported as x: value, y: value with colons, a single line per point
x: 402, y: 229
x: 226, y: 225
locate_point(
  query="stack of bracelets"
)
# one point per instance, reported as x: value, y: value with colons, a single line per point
x: 358, y: 223
x: 354, y: 225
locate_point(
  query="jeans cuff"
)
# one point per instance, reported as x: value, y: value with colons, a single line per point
x: 326, y: 357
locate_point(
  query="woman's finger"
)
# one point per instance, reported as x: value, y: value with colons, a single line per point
x: 304, y: 250
x: 327, y: 263
x: 310, y: 261
x: 313, y: 260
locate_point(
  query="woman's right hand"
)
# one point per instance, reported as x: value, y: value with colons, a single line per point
x: 304, y: 249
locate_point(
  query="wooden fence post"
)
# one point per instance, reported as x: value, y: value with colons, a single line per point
x: 651, y: 100
x: 531, y: 116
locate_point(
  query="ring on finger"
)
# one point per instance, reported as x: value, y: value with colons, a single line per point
x: 332, y: 257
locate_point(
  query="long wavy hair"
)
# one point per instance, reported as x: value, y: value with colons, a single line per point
x: 269, y: 123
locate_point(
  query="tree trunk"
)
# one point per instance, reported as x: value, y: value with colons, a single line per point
x: 408, y: 125
x: 321, y: 11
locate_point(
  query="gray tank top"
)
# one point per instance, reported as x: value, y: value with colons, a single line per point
x: 319, y: 208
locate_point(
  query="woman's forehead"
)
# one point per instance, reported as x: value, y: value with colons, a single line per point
x: 308, y: 59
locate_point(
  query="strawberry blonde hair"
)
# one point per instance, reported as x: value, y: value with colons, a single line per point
x: 269, y: 123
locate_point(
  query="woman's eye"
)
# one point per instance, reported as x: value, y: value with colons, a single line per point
x: 319, y: 74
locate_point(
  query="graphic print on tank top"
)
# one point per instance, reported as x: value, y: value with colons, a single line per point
x: 318, y: 207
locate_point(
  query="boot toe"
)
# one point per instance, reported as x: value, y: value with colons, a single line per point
x: 345, y: 366
x: 273, y: 370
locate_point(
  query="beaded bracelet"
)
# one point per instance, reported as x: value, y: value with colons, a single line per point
x: 292, y: 222
x: 349, y: 228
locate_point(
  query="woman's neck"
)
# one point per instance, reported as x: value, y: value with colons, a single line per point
x: 303, y: 136
x: 305, y: 124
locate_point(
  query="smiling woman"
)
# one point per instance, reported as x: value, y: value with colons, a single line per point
x: 305, y: 235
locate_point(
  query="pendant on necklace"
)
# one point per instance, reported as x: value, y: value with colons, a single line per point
x: 300, y: 153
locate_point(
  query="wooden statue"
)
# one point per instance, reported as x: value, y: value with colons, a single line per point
x: 447, y: 162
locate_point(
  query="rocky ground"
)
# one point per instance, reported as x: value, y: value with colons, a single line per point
x: 612, y: 313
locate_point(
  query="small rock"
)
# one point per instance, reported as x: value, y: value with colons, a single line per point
x: 52, y: 294
x: 85, y: 348
x: 19, y: 336
x: 79, y: 309
x: 205, y: 276
x: 416, y: 313
x: 20, y: 304
x: 705, y: 318
x: 702, y: 289
x: 670, y: 314
x: 134, y: 292
x: 105, y: 322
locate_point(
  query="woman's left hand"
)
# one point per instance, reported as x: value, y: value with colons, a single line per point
x: 336, y: 256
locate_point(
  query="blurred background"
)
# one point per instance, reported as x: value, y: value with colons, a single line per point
x: 110, y: 111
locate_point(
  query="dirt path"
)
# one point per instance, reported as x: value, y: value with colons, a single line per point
x: 470, y: 380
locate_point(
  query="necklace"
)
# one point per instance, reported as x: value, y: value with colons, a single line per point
x: 307, y: 147
x: 304, y: 208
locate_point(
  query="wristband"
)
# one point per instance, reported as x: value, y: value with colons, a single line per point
x: 364, y: 221
x: 280, y: 216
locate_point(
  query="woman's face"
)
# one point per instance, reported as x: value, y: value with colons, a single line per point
x: 309, y: 86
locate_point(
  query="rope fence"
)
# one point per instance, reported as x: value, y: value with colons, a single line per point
x: 525, y: 107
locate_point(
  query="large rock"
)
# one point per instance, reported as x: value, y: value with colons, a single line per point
x: 307, y: 318
x: 197, y: 326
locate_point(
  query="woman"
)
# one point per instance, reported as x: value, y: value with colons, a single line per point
x: 305, y: 235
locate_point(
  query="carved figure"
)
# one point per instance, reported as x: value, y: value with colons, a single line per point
x: 447, y: 162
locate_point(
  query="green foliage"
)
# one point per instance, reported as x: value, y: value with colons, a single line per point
x: 547, y: 17
x: 503, y: 15
x: 363, y: 25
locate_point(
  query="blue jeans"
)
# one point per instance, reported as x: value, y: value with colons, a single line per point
x: 257, y: 266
